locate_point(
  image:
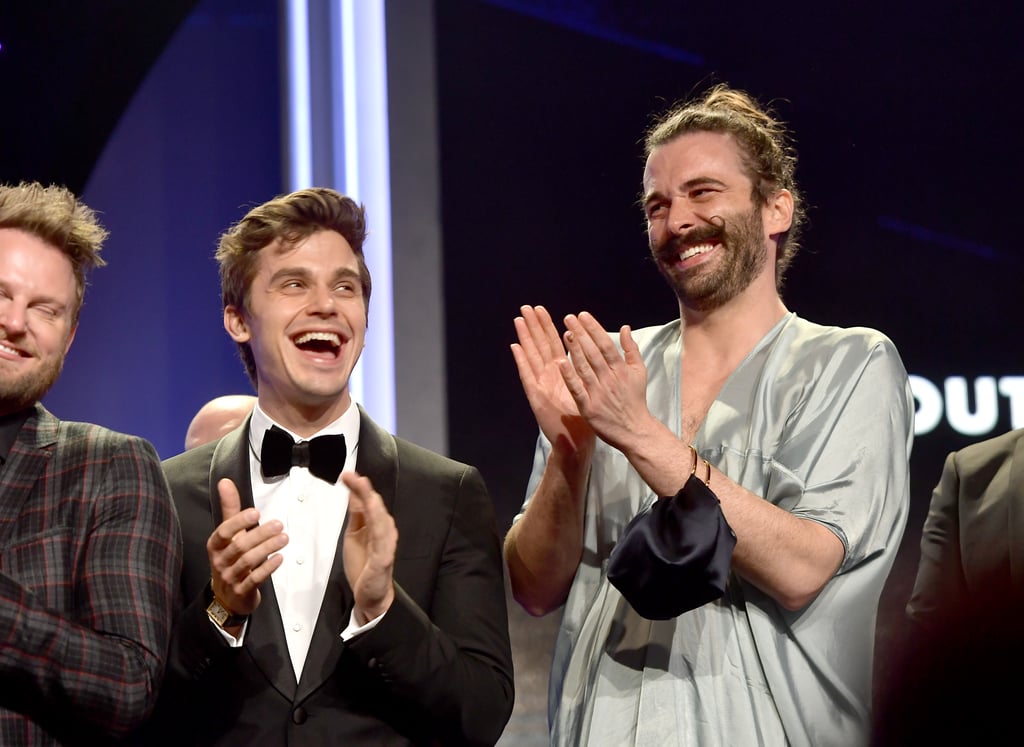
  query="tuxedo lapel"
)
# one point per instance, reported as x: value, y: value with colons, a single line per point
x: 376, y: 458
x: 264, y: 636
x: 27, y: 460
x: 1015, y: 511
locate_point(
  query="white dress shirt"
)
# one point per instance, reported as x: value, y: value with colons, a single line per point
x: 313, y: 514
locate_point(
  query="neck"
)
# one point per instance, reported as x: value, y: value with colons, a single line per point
x: 723, y: 337
x: 304, y: 420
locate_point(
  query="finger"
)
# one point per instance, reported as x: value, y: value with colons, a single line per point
x: 543, y: 333
x: 577, y: 388
x: 230, y: 501
x: 358, y: 485
x: 252, y: 562
x: 527, y: 357
x: 233, y: 519
x: 370, y: 509
x: 227, y: 531
x: 226, y: 545
x: 582, y: 352
x: 356, y: 514
x: 383, y: 533
x: 630, y: 350
x: 522, y: 363
x: 599, y: 336
x: 260, y: 574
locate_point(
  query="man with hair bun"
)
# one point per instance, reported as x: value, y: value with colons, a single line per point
x: 717, y: 502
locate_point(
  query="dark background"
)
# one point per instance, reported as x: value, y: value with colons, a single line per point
x: 906, y: 119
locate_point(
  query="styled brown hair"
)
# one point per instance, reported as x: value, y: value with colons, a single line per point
x: 54, y: 215
x: 286, y: 220
x: 766, y: 150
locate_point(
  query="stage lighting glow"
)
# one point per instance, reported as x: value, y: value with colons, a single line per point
x: 355, y: 123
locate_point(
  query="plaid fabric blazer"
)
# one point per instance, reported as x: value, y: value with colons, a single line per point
x: 90, y: 549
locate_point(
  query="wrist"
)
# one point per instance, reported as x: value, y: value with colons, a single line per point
x: 222, y: 615
x: 363, y: 614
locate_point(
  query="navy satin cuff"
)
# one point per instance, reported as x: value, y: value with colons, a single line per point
x: 675, y: 556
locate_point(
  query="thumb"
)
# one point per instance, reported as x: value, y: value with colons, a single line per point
x: 630, y: 350
x: 230, y: 502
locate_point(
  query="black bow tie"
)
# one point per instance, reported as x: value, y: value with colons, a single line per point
x: 324, y: 455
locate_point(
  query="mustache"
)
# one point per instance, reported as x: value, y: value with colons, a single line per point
x: 713, y: 233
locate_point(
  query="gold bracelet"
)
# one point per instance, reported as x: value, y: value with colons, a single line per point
x: 693, y: 469
x: 708, y: 480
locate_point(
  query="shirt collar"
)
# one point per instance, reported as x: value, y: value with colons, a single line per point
x: 10, y: 425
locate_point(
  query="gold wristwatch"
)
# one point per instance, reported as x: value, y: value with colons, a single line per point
x: 222, y: 617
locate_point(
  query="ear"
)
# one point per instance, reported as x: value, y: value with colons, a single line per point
x: 71, y: 338
x: 778, y: 213
x: 234, y: 323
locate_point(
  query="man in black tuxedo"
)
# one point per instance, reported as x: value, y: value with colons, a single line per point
x: 368, y: 609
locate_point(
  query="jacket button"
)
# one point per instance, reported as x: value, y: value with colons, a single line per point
x: 299, y: 715
x: 372, y: 663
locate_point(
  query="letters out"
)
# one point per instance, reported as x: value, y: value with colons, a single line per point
x: 954, y: 400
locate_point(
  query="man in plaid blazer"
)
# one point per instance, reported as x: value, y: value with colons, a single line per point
x: 89, y: 540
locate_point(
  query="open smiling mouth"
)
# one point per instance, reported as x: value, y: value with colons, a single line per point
x: 9, y: 350
x: 321, y: 343
x: 693, y: 251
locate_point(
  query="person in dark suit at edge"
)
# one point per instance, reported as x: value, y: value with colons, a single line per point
x: 89, y: 541
x: 962, y: 641
x: 302, y: 626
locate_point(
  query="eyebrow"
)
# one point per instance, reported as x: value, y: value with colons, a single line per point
x: 305, y: 273
x: 43, y: 299
x: 687, y: 186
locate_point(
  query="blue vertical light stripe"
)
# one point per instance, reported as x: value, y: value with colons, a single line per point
x: 357, y: 120
x: 299, y: 169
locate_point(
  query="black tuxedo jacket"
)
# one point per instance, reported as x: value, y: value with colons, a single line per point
x: 437, y: 669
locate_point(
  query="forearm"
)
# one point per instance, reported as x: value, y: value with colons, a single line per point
x: 93, y: 643
x: 543, y: 549
x: 787, y: 557
x: 105, y: 681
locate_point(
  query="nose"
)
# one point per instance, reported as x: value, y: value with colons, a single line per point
x: 680, y: 217
x: 322, y: 301
x: 12, y: 317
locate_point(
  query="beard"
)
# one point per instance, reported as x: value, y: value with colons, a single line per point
x: 21, y: 392
x: 743, y: 258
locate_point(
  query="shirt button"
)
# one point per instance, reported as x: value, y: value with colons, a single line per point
x: 297, y: 627
x: 302, y: 498
x: 300, y: 560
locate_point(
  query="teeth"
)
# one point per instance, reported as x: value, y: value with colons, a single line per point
x: 330, y: 337
x: 693, y: 251
x: 10, y: 350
